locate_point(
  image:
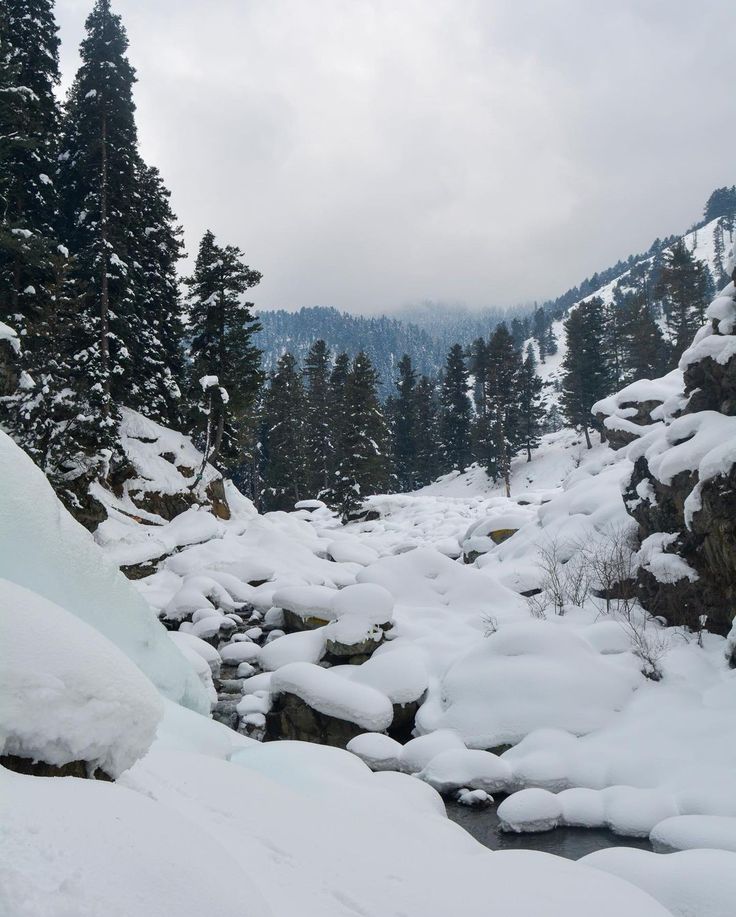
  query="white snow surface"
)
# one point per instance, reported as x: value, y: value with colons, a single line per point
x: 44, y: 549
x: 66, y: 693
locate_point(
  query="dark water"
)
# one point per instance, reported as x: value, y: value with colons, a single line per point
x: 572, y: 843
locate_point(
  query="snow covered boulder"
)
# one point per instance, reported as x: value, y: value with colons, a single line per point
x: 494, y: 529
x: 305, y: 607
x: 313, y: 704
x: 530, y: 675
x: 9, y: 364
x: 419, y: 752
x: 363, y: 613
x: 530, y: 811
x: 380, y: 752
x: 70, y: 701
x: 688, y: 832
x: 459, y: 768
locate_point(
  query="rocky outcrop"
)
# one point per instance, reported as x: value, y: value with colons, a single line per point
x: 682, y: 491
x: 292, y: 718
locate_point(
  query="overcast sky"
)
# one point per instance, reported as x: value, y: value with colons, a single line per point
x: 371, y: 153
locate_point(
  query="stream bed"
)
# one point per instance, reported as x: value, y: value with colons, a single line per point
x: 571, y: 843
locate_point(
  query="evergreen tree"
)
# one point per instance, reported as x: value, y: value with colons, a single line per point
x: 721, y: 203
x: 479, y: 371
x: 158, y: 357
x: 684, y: 285
x: 363, y: 466
x: 428, y: 458
x: 585, y: 373
x: 318, y: 437
x: 29, y: 124
x: 531, y: 408
x: 225, y: 373
x: 456, y: 411
x: 405, y: 425
x: 645, y: 351
x: 98, y: 166
x: 285, y: 477
x: 502, y: 404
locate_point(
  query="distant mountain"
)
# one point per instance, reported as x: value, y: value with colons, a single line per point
x: 427, y: 330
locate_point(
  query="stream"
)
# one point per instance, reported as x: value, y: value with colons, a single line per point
x: 571, y: 843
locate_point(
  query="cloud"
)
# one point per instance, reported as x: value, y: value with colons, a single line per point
x: 370, y: 153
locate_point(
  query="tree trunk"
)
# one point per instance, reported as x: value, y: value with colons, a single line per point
x: 104, y: 291
x: 587, y: 437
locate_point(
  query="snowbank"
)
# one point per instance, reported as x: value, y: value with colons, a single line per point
x: 68, y: 694
x: 44, y: 549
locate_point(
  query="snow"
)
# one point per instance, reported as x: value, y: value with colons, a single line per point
x: 334, y: 696
x: 44, y: 549
x: 692, y: 883
x: 685, y: 832
x: 67, y: 693
x: 418, y: 752
x: 380, y: 752
x: 7, y: 334
x: 307, y: 601
x: 530, y: 811
x: 463, y: 767
x: 304, y: 646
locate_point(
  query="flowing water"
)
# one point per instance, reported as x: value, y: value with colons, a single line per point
x: 572, y: 843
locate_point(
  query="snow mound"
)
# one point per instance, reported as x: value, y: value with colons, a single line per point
x: 44, y: 549
x: 530, y: 811
x: 685, y: 832
x: 67, y: 693
x: 419, y: 752
x: 692, y: 883
x: 326, y: 692
x: 534, y: 674
x: 456, y: 768
x: 378, y: 751
x: 307, y: 601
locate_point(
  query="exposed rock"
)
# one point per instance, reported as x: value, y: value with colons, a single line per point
x: 42, y: 769
x: 292, y: 718
x: 9, y: 370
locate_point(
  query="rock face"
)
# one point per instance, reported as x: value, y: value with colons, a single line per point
x: 682, y: 491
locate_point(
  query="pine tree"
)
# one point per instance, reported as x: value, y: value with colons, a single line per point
x: 98, y: 165
x: 502, y: 400
x: 478, y: 365
x: 645, y: 351
x: 29, y: 122
x: 363, y: 466
x: 585, y: 372
x: 158, y: 353
x: 225, y: 373
x: 456, y: 411
x: 405, y: 425
x: 285, y: 475
x: 318, y: 434
x: 531, y: 408
x: 684, y: 285
x: 428, y: 458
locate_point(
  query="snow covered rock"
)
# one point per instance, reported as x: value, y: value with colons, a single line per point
x: 316, y: 705
x: 459, y: 768
x: 687, y: 832
x: 67, y: 694
x: 44, y: 549
x: 529, y: 811
x: 420, y: 751
x: 380, y: 752
x: 305, y: 607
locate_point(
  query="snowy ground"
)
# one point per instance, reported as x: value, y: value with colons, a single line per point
x: 221, y: 822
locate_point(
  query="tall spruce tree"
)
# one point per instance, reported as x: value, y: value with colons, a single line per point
x: 285, y: 477
x: 456, y: 412
x: 586, y: 376
x: 685, y: 287
x: 363, y: 463
x: 29, y: 125
x: 225, y: 364
x: 531, y: 407
x: 645, y: 351
x: 29, y: 249
x: 502, y: 404
x: 158, y: 357
x: 405, y: 431
x: 427, y: 458
x: 318, y: 433
x: 478, y: 364
x: 98, y: 172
